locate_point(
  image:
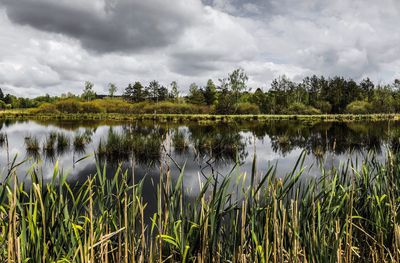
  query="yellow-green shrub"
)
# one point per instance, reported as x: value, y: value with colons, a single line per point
x: 89, y: 107
x: 359, y: 107
x: 248, y: 108
x: 300, y: 108
x: 113, y: 105
x: 69, y: 106
x: 46, y: 108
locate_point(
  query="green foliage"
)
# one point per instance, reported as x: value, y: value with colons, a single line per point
x: 47, y: 108
x: 226, y: 103
x: 247, y: 108
x: 300, y: 108
x: 112, y: 105
x: 323, y: 106
x: 196, y: 95
x: 346, y: 214
x: 135, y: 92
x: 359, y: 107
x: 171, y: 108
x: 112, y: 89
x: 69, y: 106
x: 174, y: 94
x: 88, y: 92
x: 210, y: 93
x: 88, y: 107
x: 3, y: 105
x: 333, y: 95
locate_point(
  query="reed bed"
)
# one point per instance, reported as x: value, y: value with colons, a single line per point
x: 50, y: 141
x: 32, y: 144
x: 180, y: 141
x: 121, y: 146
x: 80, y: 141
x: 348, y: 214
x: 63, y: 142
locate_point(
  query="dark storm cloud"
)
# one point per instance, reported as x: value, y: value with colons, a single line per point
x: 121, y: 26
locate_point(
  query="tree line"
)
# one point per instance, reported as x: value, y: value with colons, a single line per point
x: 232, y: 95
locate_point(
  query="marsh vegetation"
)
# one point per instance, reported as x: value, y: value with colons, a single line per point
x: 148, y: 191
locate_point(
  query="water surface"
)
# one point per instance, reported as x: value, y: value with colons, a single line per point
x: 201, y: 148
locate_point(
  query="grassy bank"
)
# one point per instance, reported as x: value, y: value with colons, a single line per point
x: 29, y: 114
x: 344, y: 215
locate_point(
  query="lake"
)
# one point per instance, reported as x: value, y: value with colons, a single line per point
x: 201, y: 148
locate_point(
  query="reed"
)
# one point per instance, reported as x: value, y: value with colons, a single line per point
x: 80, y: 141
x: 49, y: 143
x: 179, y: 141
x: 32, y: 144
x: 63, y: 142
x: 3, y: 138
x: 346, y: 214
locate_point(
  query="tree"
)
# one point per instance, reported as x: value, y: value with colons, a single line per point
x: 367, y: 88
x: 396, y: 85
x: 237, y: 82
x: 174, y: 94
x: 112, y: 89
x: 128, y: 93
x: 162, y: 93
x: 196, y: 95
x: 153, y: 90
x: 1, y: 94
x: 135, y: 92
x: 210, y: 93
x: 260, y: 99
x: 226, y: 103
x: 281, y: 89
x: 88, y: 93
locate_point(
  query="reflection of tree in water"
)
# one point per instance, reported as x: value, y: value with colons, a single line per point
x: 338, y: 137
x: 220, y: 142
x: 226, y: 143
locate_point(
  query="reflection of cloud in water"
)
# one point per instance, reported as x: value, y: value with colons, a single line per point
x: 278, y: 144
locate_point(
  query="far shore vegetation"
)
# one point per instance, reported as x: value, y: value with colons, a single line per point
x: 229, y: 96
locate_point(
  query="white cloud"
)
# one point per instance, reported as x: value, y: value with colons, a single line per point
x: 189, y: 41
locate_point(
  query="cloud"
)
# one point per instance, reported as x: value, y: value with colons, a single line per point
x: 120, y: 26
x: 54, y: 46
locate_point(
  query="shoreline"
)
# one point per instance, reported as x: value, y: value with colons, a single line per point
x: 21, y: 115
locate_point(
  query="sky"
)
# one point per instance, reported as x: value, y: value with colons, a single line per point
x: 53, y: 47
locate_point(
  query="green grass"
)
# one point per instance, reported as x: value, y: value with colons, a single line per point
x: 344, y: 215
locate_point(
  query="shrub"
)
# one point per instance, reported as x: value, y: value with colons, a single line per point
x: 90, y: 107
x: 359, y: 107
x: 46, y: 108
x: 248, y: 108
x: 167, y: 107
x: 69, y: 106
x: 3, y: 105
x: 324, y: 106
x: 112, y: 105
x: 300, y: 108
